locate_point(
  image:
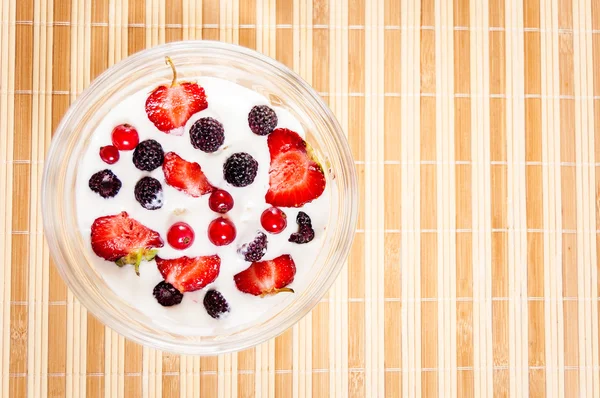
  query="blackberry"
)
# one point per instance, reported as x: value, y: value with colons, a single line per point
x: 240, y: 169
x: 105, y: 183
x: 303, y: 219
x: 262, y: 120
x: 148, y: 192
x: 148, y: 155
x: 256, y: 249
x: 215, y: 304
x: 207, y: 134
x: 304, y: 235
x: 166, y: 294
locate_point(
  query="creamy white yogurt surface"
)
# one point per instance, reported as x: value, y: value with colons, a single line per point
x: 229, y: 103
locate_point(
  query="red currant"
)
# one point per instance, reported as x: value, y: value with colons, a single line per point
x: 180, y: 236
x: 221, y: 231
x: 273, y: 220
x: 125, y: 137
x: 109, y: 154
x: 220, y: 201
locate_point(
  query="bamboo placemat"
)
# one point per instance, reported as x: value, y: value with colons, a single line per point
x: 474, y: 266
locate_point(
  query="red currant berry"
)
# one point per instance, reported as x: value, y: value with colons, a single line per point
x: 273, y: 220
x: 221, y: 231
x: 125, y: 137
x: 109, y: 154
x: 180, y: 236
x: 220, y: 201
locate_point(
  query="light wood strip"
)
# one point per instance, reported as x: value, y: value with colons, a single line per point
x: 227, y: 369
x: 517, y: 221
x: 265, y: 43
x: 123, y: 12
x: 189, y: 378
x: 151, y: 373
x: 194, y: 19
x: 118, y: 15
x: 302, y: 333
x: 298, y: 329
x: 265, y: 370
x: 152, y: 362
x: 76, y: 313
x: 338, y: 309
x: 586, y: 200
x: 37, y: 350
x: 7, y: 101
x: 555, y: 373
x: 374, y: 183
x: 480, y: 172
x: 446, y: 198
x: 114, y: 344
x: 228, y: 32
x: 411, y: 187
x: 114, y: 364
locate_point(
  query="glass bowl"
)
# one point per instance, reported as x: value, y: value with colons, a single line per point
x: 248, y: 68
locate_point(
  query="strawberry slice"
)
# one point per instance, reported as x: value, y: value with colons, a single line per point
x: 189, y: 273
x: 185, y: 176
x: 295, y: 178
x: 124, y: 240
x: 267, y: 277
x: 169, y: 108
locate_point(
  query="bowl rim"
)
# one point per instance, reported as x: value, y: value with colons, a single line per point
x: 55, y: 241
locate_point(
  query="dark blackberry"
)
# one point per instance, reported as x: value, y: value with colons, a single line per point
x: 262, y: 120
x: 166, y: 294
x: 207, y: 134
x: 148, y: 192
x: 256, y: 249
x: 105, y: 183
x: 304, y: 235
x: 148, y: 155
x: 215, y: 304
x: 240, y: 169
x: 303, y: 219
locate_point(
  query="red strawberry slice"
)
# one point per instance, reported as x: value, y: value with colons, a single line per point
x: 123, y: 239
x: 169, y: 108
x: 185, y: 176
x: 294, y: 177
x: 189, y: 273
x: 267, y: 277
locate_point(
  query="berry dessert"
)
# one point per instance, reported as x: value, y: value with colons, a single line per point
x: 202, y: 204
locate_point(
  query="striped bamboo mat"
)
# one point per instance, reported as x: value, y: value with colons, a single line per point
x: 474, y: 267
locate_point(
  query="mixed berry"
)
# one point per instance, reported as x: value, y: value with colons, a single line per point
x: 166, y: 294
x: 207, y: 134
x: 169, y: 107
x: 105, y: 183
x: 305, y: 233
x: 256, y: 249
x: 148, y: 155
x: 262, y: 120
x: 109, y: 154
x: 240, y: 169
x: 273, y: 220
x: 221, y: 231
x: 295, y: 178
x: 180, y: 236
x: 220, y: 201
x: 215, y: 304
x: 185, y: 176
x: 149, y: 193
x: 125, y: 137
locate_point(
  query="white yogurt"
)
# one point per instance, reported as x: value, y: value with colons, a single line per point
x: 230, y: 104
